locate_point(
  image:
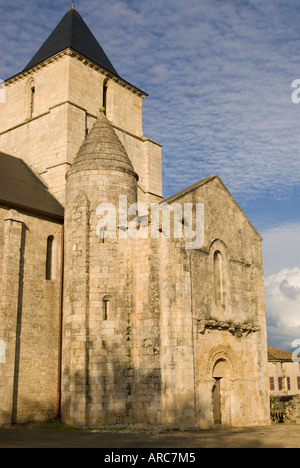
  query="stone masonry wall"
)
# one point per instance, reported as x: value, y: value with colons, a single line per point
x: 97, y: 362
x: 230, y: 334
x: 29, y: 317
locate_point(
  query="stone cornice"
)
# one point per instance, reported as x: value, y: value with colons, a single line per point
x: 72, y: 53
x: 32, y: 70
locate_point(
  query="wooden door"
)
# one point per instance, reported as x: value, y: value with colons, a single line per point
x: 216, y: 396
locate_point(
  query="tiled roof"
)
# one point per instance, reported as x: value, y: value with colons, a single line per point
x: 279, y: 355
x: 20, y: 187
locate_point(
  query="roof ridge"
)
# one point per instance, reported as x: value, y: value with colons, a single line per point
x: 188, y: 189
x: 279, y: 354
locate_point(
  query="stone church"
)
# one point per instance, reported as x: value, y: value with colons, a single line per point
x: 100, y: 329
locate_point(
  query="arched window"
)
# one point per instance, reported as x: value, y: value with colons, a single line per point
x: 104, y: 99
x: 49, y: 258
x: 107, y: 301
x: 30, y: 98
x: 218, y: 276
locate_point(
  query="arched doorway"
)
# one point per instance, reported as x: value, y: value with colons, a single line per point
x: 220, y: 392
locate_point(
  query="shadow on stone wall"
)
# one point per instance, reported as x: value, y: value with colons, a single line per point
x: 18, y: 328
x: 113, y: 392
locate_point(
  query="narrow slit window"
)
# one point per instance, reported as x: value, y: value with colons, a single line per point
x: 218, y: 273
x: 102, y: 235
x: 107, y: 308
x: 49, y: 258
x: 32, y: 99
x: 104, y: 100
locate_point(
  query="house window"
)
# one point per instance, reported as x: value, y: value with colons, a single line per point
x: 288, y: 383
x: 298, y: 383
x: 49, y: 257
x: 272, y: 383
x: 280, y: 383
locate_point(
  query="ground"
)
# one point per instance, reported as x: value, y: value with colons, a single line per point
x: 52, y: 436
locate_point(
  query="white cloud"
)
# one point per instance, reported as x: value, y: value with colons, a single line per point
x: 281, y: 255
x: 218, y: 74
x: 283, y: 307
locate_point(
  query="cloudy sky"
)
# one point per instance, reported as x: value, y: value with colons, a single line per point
x: 219, y: 76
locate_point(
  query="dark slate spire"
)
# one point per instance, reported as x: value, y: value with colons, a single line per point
x: 73, y: 32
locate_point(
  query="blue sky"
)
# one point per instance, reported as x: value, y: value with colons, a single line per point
x: 219, y: 75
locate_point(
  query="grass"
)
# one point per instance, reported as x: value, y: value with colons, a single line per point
x: 56, y: 424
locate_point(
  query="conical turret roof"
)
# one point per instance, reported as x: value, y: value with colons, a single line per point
x: 102, y: 149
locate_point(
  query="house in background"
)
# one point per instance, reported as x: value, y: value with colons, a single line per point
x: 284, y: 374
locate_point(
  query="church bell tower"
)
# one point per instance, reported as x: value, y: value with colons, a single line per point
x: 53, y: 103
